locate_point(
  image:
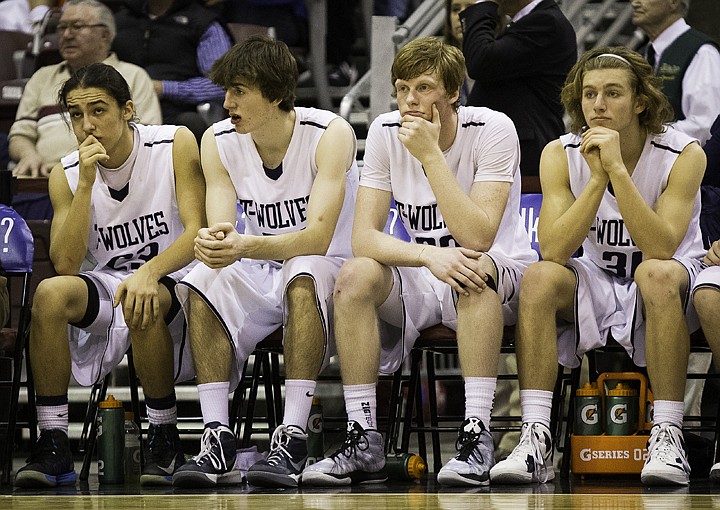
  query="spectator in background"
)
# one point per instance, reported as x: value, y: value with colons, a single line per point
x: 40, y: 135
x: 521, y: 71
x: 23, y: 15
x: 687, y: 60
x: 288, y: 18
x: 453, y: 35
x: 177, y: 42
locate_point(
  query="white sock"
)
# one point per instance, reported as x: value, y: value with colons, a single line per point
x: 361, y: 404
x: 669, y: 411
x: 162, y: 416
x: 299, y: 395
x: 479, y: 396
x: 214, y: 402
x: 536, y: 406
x: 53, y: 417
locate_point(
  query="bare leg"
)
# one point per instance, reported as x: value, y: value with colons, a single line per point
x: 362, y: 285
x: 153, y: 353
x: 707, y: 304
x: 210, y: 345
x: 304, y: 336
x: 546, y: 292
x: 667, y: 341
x: 57, y: 302
x: 480, y: 329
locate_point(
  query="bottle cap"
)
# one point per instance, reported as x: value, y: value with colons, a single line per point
x: 589, y: 390
x: 416, y: 466
x: 129, y: 416
x: 110, y: 403
x: 622, y: 391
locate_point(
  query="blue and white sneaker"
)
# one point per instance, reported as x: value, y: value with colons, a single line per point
x: 214, y: 465
x: 286, y: 461
x: 475, y: 456
x: 163, y: 455
x: 666, y: 463
x: 50, y: 464
x: 530, y: 461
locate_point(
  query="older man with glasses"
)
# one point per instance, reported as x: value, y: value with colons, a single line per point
x: 40, y: 136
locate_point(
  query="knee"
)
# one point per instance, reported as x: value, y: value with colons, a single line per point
x: 50, y: 298
x: 355, y: 281
x: 658, y: 280
x: 539, y: 281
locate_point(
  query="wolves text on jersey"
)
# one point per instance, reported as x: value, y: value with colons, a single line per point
x: 276, y: 215
x: 612, y: 233
x: 421, y: 217
x: 131, y: 233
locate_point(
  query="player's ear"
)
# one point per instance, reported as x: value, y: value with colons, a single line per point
x: 129, y: 110
x: 640, y: 105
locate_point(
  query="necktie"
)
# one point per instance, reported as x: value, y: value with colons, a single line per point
x: 651, y: 55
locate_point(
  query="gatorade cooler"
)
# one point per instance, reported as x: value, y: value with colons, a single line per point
x: 610, y: 454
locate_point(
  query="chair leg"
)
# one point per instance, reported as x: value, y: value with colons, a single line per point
x: 238, y: 400
x: 393, y: 426
x: 277, y: 386
x: 413, y: 382
x: 270, y: 398
x: 574, y: 383
x: 252, y: 398
x: 20, y: 348
x: 89, y: 433
x: 432, y: 401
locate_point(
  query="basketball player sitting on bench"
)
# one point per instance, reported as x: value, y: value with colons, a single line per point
x: 130, y: 199
x: 625, y: 187
x: 457, y: 169
x: 294, y: 172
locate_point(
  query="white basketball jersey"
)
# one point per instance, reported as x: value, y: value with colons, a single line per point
x: 127, y: 231
x: 275, y: 201
x: 485, y: 148
x: 608, y: 243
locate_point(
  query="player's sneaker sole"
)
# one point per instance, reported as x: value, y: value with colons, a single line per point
x: 455, y: 479
x: 191, y: 479
x: 664, y: 478
x: 515, y: 477
x: 30, y: 479
x: 319, y: 479
x: 270, y: 479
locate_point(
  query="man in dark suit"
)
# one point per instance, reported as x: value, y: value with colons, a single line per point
x: 521, y: 71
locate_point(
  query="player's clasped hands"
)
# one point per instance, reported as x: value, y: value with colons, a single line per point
x: 458, y: 267
x: 600, y: 147
x: 218, y: 245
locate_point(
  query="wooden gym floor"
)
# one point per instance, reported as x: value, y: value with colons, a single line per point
x: 623, y: 493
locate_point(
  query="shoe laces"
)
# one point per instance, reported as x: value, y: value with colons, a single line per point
x: 466, y: 445
x: 355, y: 440
x: 211, y: 450
x: 279, y: 445
x: 667, y: 446
x: 531, y: 445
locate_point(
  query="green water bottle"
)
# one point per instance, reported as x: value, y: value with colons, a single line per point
x: 405, y: 466
x: 621, y: 407
x: 111, y: 441
x: 588, y: 410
